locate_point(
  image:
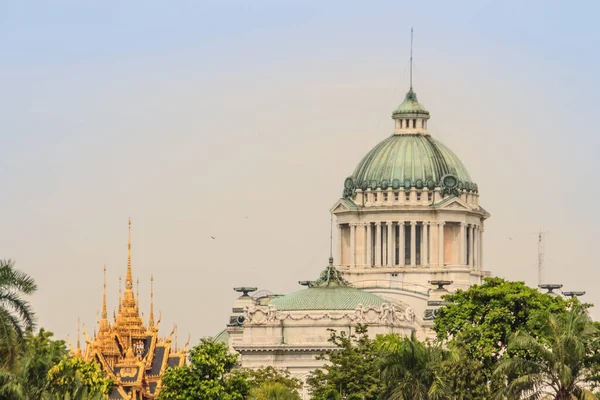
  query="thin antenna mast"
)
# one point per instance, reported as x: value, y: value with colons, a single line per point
x: 411, y: 56
x: 331, y: 236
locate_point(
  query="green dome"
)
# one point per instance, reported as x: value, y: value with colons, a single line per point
x: 409, y: 160
x: 410, y: 105
x: 327, y: 298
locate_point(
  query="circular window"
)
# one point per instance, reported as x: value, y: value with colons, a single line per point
x: 349, y: 183
x: 450, y: 181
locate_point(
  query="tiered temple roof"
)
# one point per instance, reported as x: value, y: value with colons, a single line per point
x: 130, y: 352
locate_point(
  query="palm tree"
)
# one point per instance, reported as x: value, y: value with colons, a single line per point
x: 408, y: 368
x: 16, y: 315
x: 553, y: 367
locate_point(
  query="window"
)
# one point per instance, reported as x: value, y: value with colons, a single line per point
x: 418, y: 196
x: 396, y: 196
x: 429, y: 196
x: 400, y: 123
x: 414, y: 123
x: 374, y: 196
x: 407, y: 196
x: 385, y: 197
x: 407, y: 124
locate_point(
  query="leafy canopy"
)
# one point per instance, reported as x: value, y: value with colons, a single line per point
x: 350, y: 368
x: 208, y: 376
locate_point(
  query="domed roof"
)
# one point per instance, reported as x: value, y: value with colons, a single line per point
x: 410, y: 105
x: 410, y: 161
x: 329, y: 292
x: 327, y: 298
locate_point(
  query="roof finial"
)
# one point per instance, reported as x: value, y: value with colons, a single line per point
x: 78, y: 334
x: 128, y: 278
x: 176, y: 339
x: 331, y: 238
x: 137, y: 295
x: 104, y: 312
x: 120, y: 292
x: 151, y: 317
x: 411, y: 57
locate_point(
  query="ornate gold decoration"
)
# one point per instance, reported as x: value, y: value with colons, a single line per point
x: 127, y: 349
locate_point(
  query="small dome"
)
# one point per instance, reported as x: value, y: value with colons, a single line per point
x: 329, y: 292
x: 327, y: 298
x: 410, y: 105
x: 405, y: 161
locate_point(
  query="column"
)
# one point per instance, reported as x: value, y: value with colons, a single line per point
x: 432, y: 234
x: 377, y: 244
x: 390, y: 246
x: 471, y: 248
x: 340, y: 244
x: 476, y: 247
x: 353, y: 244
x: 441, y: 244
x: 401, y: 250
x: 369, y: 245
x: 413, y: 243
x: 481, y: 247
x: 425, y: 244
x: 462, y: 241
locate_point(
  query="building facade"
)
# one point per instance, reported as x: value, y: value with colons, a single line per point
x: 410, y: 218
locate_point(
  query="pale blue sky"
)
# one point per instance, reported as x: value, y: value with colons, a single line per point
x: 241, y: 120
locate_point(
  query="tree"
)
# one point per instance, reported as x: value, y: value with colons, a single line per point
x: 73, y: 375
x: 208, y: 376
x: 463, y: 377
x: 350, y: 368
x: 273, y: 391
x: 16, y: 316
x: 269, y: 375
x: 553, y: 368
x: 480, y: 319
x: 408, y: 368
x: 29, y: 378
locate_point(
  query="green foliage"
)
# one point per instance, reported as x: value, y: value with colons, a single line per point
x: 480, y: 320
x: 409, y: 368
x: 270, y: 375
x: 555, y: 366
x: 463, y: 377
x: 16, y: 316
x: 355, y: 397
x: 273, y: 391
x: 74, y: 374
x: 29, y: 378
x: 208, y: 376
x: 350, y: 368
x: 332, y: 394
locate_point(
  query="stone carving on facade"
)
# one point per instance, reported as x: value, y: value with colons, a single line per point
x: 386, y: 314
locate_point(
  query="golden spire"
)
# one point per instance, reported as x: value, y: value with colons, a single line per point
x: 176, y: 338
x: 120, y: 285
x: 78, y: 335
x: 137, y: 295
x: 128, y: 278
x: 151, y: 318
x: 104, y: 312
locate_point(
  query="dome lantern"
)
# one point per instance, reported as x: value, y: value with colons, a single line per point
x: 410, y: 117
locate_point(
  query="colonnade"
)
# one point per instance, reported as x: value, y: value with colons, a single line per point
x: 410, y: 244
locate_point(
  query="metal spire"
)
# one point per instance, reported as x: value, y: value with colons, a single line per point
x: 120, y: 293
x: 137, y: 295
x: 331, y: 238
x: 78, y: 334
x: 411, y: 58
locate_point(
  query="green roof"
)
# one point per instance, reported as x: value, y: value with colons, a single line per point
x: 327, y: 298
x: 222, y: 337
x: 410, y: 105
x: 329, y: 292
x: 405, y: 161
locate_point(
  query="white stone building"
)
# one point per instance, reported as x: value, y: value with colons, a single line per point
x: 409, y: 220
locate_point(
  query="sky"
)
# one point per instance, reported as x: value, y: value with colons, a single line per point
x: 241, y: 120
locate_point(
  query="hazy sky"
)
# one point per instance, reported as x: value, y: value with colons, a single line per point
x: 241, y: 120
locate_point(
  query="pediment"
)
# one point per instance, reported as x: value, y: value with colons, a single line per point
x: 453, y: 203
x: 343, y: 205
